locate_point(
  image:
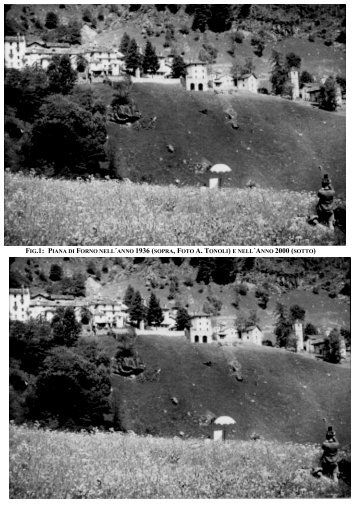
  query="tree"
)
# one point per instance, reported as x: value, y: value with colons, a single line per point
x: 263, y: 296
x: 81, y: 63
x: 252, y: 319
x: 258, y: 42
x: 137, y: 310
x: 124, y: 44
x: 65, y: 327
x: 67, y: 137
x: 221, y: 17
x: 310, y: 329
x: 72, y: 392
x: 133, y: 58
x: 283, y: 325
x: 25, y: 90
x: 56, y: 272
x: 150, y: 60
x: 154, y: 313
x: 225, y: 270
x: 182, y: 319
x: 279, y: 74
x: 128, y: 296
x: 202, y: 14
x: 178, y: 67
x: 305, y: 77
x: 328, y: 95
x: 205, y: 270
x: 297, y: 313
x: 29, y: 344
x: 332, y: 347
x: 293, y: 61
x: 62, y: 77
x: 51, y: 20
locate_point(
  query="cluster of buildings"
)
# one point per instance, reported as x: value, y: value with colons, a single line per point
x: 100, y: 62
x: 101, y: 315
x: 98, y: 314
x: 104, y: 62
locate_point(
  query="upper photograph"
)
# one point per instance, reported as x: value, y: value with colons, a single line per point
x: 174, y: 124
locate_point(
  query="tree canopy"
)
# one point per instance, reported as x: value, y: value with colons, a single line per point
x: 150, y: 62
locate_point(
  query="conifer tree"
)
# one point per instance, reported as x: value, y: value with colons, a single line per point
x: 124, y: 44
x: 150, y: 59
x: 128, y: 296
x: 154, y: 312
x: 182, y: 319
x: 137, y: 309
x: 132, y: 58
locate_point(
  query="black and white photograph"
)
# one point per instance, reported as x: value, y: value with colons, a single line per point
x: 180, y: 378
x: 175, y: 124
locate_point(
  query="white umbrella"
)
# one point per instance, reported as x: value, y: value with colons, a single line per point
x: 224, y: 419
x: 220, y: 168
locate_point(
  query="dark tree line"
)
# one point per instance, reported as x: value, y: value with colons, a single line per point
x: 51, y: 125
x: 55, y: 378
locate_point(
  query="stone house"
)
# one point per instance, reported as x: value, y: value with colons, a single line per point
x: 201, y: 330
x: 15, y: 51
x: 19, y: 303
x: 196, y: 78
x: 103, y: 61
x: 247, y: 82
x: 251, y: 334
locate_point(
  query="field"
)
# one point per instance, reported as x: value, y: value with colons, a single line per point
x: 45, y: 464
x: 41, y: 211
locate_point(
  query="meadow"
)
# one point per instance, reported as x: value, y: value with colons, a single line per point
x: 51, y: 464
x: 40, y: 211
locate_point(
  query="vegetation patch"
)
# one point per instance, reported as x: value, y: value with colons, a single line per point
x: 114, y: 213
x: 51, y: 464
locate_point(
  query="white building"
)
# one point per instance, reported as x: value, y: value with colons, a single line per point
x: 247, y: 82
x: 14, y: 51
x: 201, y: 330
x: 251, y: 334
x: 103, y: 61
x: 19, y: 303
x: 196, y: 78
x: 104, y: 314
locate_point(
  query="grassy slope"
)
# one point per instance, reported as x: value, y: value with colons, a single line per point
x: 279, y: 143
x: 47, y: 464
x: 284, y: 396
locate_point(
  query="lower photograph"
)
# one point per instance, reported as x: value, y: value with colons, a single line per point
x: 179, y: 378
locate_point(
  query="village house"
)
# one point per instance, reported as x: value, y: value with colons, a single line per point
x: 251, y: 334
x: 103, y: 313
x: 103, y: 62
x: 19, y: 303
x: 310, y: 92
x: 247, y: 82
x: 15, y: 51
x: 201, y: 330
x: 196, y: 78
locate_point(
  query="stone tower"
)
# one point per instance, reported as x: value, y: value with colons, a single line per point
x: 298, y: 330
x: 295, y: 85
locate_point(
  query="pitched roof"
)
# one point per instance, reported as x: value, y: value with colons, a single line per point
x: 246, y: 76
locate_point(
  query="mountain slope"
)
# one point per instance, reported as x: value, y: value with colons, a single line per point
x: 278, y: 144
x: 283, y: 396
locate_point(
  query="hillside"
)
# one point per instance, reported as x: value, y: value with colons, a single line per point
x: 278, y: 144
x: 285, y: 27
x: 284, y: 396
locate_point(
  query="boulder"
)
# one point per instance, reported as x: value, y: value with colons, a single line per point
x: 127, y: 113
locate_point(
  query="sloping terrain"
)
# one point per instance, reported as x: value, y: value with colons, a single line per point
x: 284, y: 396
x: 278, y: 144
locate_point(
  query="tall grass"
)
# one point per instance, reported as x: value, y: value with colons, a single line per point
x: 45, y: 464
x: 41, y: 211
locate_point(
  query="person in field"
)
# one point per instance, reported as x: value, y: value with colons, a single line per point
x: 329, y: 458
x: 325, y: 205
